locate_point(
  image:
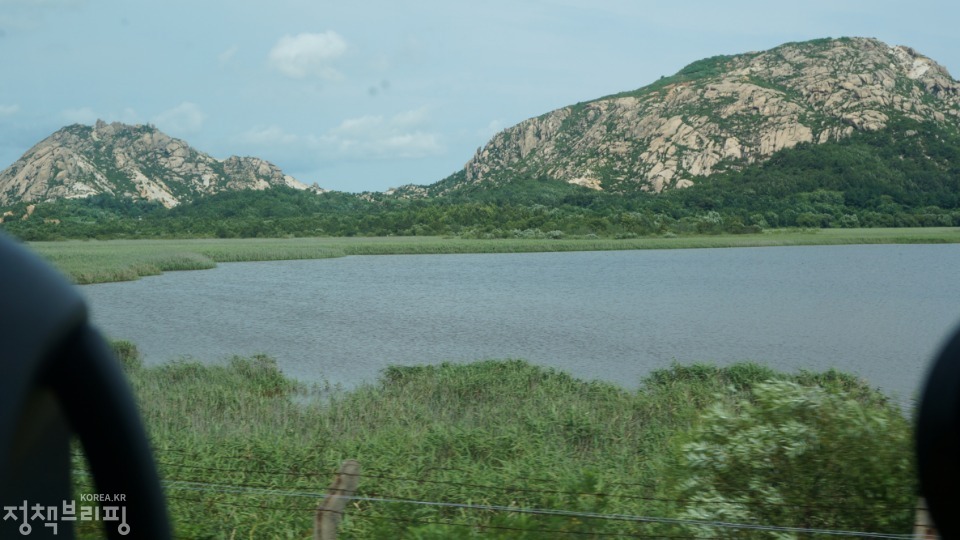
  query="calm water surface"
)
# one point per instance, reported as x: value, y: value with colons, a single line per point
x: 878, y: 311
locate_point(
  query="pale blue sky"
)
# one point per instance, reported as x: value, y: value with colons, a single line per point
x: 372, y: 94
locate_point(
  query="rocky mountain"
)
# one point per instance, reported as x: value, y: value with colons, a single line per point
x: 718, y: 114
x: 130, y: 161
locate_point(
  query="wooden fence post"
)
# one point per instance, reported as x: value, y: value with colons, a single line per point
x: 330, y: 510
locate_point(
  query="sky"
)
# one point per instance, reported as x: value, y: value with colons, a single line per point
x: 373, y: 94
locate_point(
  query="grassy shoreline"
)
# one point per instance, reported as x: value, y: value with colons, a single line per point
x: 241, y: 447
x: 94, y: 261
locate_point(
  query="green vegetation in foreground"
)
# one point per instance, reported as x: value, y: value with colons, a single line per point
x: 123, y: 260
x: 808, y: 450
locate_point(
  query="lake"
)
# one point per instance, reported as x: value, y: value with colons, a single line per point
x: 879, y: 311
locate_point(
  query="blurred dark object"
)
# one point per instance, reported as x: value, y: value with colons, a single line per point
x: 59, y: 379
x: 938, y: 440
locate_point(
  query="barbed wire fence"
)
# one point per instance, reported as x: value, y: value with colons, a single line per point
x: 330, y: 506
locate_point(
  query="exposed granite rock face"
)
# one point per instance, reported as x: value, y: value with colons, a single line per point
x: 130, y: 161
x: 721, y: 113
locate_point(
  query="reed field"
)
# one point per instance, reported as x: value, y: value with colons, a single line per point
x: 93, y: 261
x: 245, y: 452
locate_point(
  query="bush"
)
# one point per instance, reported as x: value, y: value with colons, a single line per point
x: 261, y: 373
x: 128, y: 354
x: 798, y: 456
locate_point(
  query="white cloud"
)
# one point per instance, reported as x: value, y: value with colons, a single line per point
x: 9, y: 110
x: 399, y: 136
x: 408, y: 145
x: 494, y: 127
x: 129, y: 116
x: 358, y: 126
x: 42, y: 3
x: 184, y: 118
x: 227, y: 55
x: 308, y: 54
x: 83, y: 115
x: 30, y: 15
x: 410, y: 118
x: 86, y: 115
x: 272, y: 135
x: 365, y: 125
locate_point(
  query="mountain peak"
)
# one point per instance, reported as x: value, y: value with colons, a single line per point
x: 137, y: 161
x: 721, y: 113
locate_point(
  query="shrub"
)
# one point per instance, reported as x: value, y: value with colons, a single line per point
x: 128, y: 354
x: 798, y: 456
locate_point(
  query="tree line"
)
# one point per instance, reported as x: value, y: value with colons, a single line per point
x: 904, y: 176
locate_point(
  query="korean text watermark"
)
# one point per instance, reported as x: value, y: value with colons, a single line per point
x: 35, y: 515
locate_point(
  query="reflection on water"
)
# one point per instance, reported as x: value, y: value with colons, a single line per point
x: 877, y: 311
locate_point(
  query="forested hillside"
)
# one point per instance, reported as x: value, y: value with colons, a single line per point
x: 845, y: 132
x: 906, y: 175
x: 722, y: 114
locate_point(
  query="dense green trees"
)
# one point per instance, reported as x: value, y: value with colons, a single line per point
x: 905, y: 175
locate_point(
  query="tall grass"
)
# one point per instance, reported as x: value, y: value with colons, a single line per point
x: 491, y: 432
x: 123, y: 260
